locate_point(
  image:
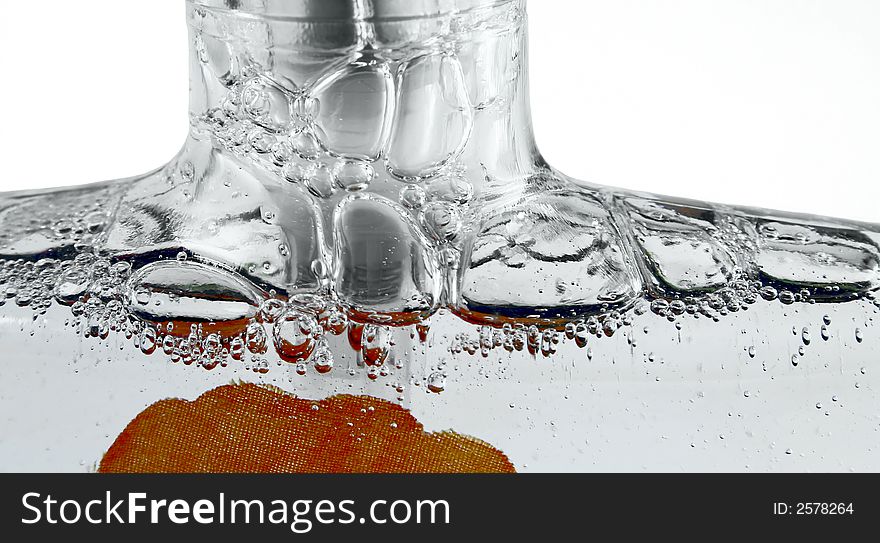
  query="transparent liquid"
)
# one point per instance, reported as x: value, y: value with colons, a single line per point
x: 341, y: 234
x: 749, y: 374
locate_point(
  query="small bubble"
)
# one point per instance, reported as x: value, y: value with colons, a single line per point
x: 412, y: 197
x: 236, y: 348
x: 256, y: 338
x: 450, y: 188
x: 271, y: 309
x: 295, y: 172
x: 306, y: 145
x: 436, y: 382
x: 660, y: 306
x: 323, y: 358
x: 187, y: 171
x: 859, y: 336
x: 321, y: 183
x: 353, y: 176
x: 305, y: 108
x: 319, y: 268
x: 768, y: 293
x: 294, y: 334
x: 282, y: 153
x: 261, y: 141
x: 148, y: 340
x: 677, y: 307
x: 441, y: 221
x: 141, y: 296
x: 375, y: 344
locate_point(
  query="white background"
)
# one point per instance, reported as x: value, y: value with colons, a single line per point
x: 773, y: 103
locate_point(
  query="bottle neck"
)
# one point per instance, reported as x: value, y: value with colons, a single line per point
x: 421, y: 87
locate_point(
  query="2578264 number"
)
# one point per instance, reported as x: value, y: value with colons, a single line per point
x: 820, y: 508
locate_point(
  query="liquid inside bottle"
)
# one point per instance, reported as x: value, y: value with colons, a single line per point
x: 360, y: 209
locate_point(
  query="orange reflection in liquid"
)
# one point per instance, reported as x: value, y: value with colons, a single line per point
x: 247, y: 428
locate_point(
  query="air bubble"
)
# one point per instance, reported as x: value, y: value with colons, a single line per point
x: 236, y: 348
x: 436, y: 382
x: 143, y: 295
x: 306, y: 145
x: 282, y: 153
x: 168, y: 344
x: 334, y: 321
x: 270, y: 310
x: 323, y: 358
x: 73, y: 284
x: 148, y: 340
x: 660, y: 306
x: 261, y: 141
x: 321, y: 183
x: 449, y: 188
x: 305, y: 109
x: 256, y: 338
x: 768, y: 293
x: 295, y: 172
x: 412, y: 197
x: 375, y: 344
x: 353, y: 176
x: 441, y: 221
x: 294, y: 335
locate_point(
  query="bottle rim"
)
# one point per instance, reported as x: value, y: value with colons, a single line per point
x: 352, y: 10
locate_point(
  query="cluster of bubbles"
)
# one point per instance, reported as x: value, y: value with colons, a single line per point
x: 298, y: 329
x: 29, y: 284
x: 739, y: 295
x: 531, y: 338
x: 96, y: 289
x: 276, y: 125
x: 277, y: 128
x: 34, y: 226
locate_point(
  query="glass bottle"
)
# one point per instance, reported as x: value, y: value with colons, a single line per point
x: 360, y: 208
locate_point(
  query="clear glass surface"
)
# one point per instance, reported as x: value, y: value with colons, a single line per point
x: 360, y: 208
